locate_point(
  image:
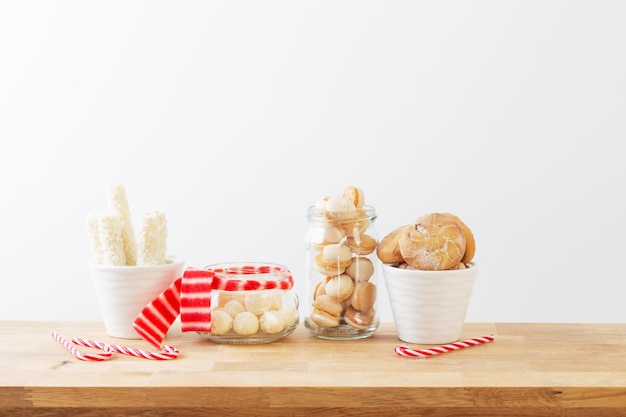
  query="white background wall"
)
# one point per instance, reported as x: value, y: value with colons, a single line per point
x: 233, y: 117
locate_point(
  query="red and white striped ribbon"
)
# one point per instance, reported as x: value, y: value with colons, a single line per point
x: 438, y: 350
x: 230, y: 284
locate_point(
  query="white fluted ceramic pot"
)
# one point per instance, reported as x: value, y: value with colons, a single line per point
x: 123, y: 291
x: 429, y: 307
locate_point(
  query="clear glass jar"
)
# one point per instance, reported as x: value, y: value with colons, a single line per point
x: 251, y: 303
x: 342, y: 275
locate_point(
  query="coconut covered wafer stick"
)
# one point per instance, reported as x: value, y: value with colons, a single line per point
x: 107, y: 237
x: 116, y: 195
x: 152, y: 239
x: 93, y: 228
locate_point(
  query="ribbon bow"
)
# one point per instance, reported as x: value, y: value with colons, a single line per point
x: 190, y: 296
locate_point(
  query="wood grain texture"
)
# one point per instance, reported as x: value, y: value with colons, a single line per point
x: 534, y: 369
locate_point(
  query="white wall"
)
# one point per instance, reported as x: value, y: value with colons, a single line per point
x: 233, y: 117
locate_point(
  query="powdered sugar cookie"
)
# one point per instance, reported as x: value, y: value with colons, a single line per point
x: 433, y: 242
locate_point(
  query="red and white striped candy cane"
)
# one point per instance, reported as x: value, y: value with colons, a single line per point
x: 438, y: 350
x: 167, y: 352
x: 82, y: 356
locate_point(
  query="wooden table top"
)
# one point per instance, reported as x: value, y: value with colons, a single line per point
x: 530, y: 369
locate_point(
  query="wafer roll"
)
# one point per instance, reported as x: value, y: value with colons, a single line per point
x: 152, y: 239
x: 93, y: 229
x: 105, y: 229
x: 116, y: 195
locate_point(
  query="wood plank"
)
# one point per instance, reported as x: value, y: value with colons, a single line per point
x: 531, y: 369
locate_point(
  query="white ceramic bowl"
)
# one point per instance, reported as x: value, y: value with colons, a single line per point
x: 429, y: 307
x: 123, y: 291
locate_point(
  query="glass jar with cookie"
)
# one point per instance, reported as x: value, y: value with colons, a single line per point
x: 342, y: 269
x: 251, y: 303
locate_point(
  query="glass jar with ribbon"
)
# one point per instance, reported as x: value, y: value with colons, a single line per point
x: 251, y: 303
x: 234, y: 303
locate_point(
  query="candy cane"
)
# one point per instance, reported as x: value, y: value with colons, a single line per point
x: 437, y: 350
x: 82, y: 356
x: 168, y: 352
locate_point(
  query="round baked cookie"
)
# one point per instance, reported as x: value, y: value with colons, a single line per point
x: 340, y: 208
x: 355, y: 195
x: 388, y: 250
x: 359, y: 319
x: 323, y: 319
x: 361, y: 244
x: 325, y: 269
x: 433, y: 242
x: 319, y: 288
x: 328, y: 304
x: 340, y: 287
x: 330, y: 267
x: 363, y: 297
x: 337, y: 252
x: 470, y: 243
x: 324, y: 235
x: 361, y: 269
